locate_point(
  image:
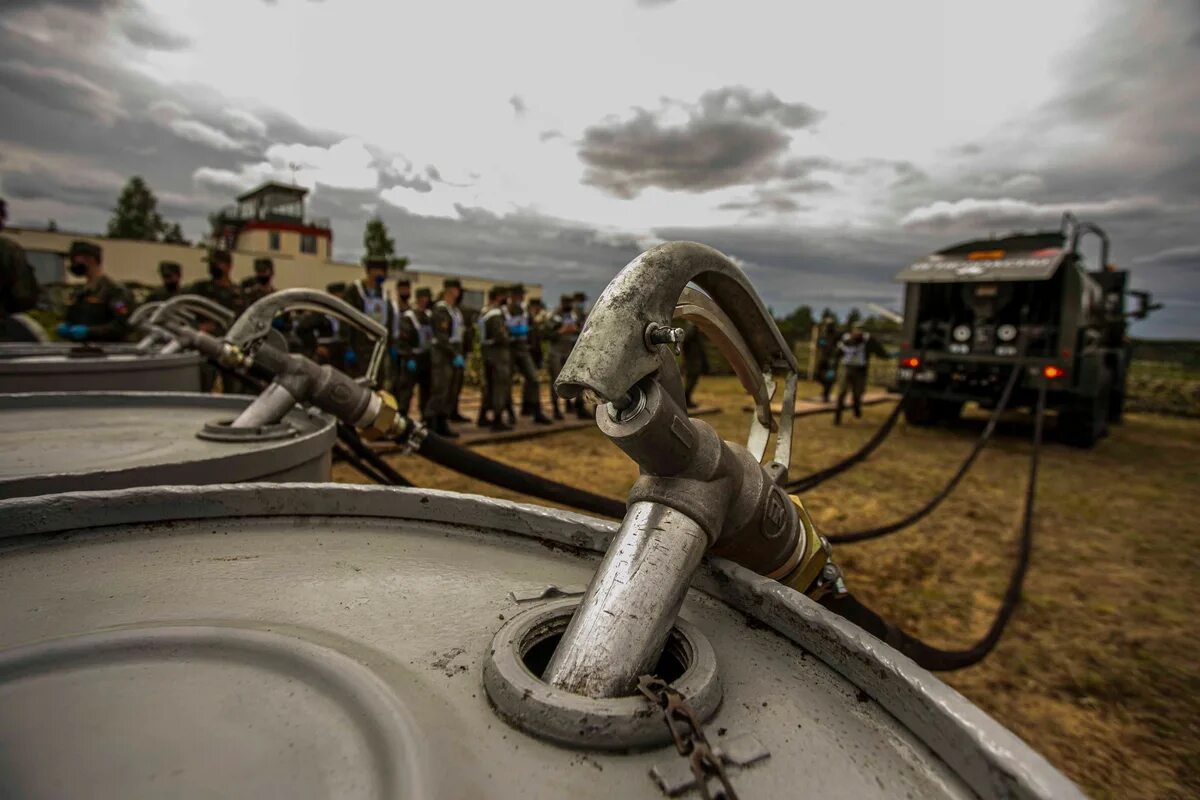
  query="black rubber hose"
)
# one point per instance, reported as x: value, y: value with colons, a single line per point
x: 933, y: 658
x: 820, y: 476
x: 357, y: 463
x: 350, y: 438
x: 936, y: 500
x: 460, y: 459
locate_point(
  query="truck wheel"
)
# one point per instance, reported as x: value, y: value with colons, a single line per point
x: 949, y: 410
x: 921, y: 411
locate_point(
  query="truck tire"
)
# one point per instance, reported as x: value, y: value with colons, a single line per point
x: 921, y: 411
x: 949, y: 410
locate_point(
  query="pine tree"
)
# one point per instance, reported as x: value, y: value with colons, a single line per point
x: 174, y: 235
x: 379, y: 244
x: 136, y: 215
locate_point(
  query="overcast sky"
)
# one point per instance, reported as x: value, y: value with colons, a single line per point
x: 824, y: 145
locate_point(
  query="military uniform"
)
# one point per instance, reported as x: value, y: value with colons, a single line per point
x: 561, y: 329
x: 18, y: 290
x: 411, y: 342
x: 516, y: 319
x: 497, y: 363
x: 695, y: 360
x: 825, y: 369
x: 372, y: 301
x: 103, y: 306
x: 228, y: 295
x: 446, y: 348
x: 855, y: 352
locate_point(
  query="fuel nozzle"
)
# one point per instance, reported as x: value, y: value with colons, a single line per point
x: 696, y: 493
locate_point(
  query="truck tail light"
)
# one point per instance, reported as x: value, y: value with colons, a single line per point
x: 1052, y: 372
x: 912, y: 362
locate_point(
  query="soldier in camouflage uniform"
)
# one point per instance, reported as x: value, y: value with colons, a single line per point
x: 497, y: 361
x: 825, y: 363
x: 446, y: 356
x: 18, y: 287
x: 407, y: 345
x: 519, y: 328
x: 99, y: 310
x: 560, y: 328
x: 262, y: 284
x: 369, y: 297
x: 537, y: 321
x: 422, y: 317
x: 170, y: 273
x: 318, y: 335
x: 220, y: 288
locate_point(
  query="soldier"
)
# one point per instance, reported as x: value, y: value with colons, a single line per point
x: 855, y: 350
x: 561, y: 329
x: 470, y: 317
x: 263, y: 282
x: 825, y: 363
x: 18, y: 287
x: 423, y: 318
x: 497, y: 361
x: 99, y: 310
x: 220, y: 288
x: 516, y: 319
x: 368, y: 296
x: 695, y: 360
x: 407, y: 345
x: 319, y: 334
x: 446, y: 356
x: 580, y: 305
x: 170, y: 272
x: 537, y: 321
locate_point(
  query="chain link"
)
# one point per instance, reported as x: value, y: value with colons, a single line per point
x: 689, y: 738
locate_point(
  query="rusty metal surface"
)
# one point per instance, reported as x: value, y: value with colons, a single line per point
x: 54, y: 442
x: 414, y: 584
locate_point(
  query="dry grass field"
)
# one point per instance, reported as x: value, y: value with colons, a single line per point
x: 1100, y: 668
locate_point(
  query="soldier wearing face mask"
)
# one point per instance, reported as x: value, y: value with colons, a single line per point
x: 219, y: 287
x: 99, y: 310
x: 18, y: 288
x: 263, y: 282
x: 367, y: 295
x: 170, y: 273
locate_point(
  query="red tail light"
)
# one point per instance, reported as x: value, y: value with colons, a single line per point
x: 912, y: 362
x: 1052, y: 372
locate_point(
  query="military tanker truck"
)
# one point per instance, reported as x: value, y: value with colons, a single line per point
x: 975, y: 311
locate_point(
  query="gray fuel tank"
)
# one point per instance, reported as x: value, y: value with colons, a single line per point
x: 342, y: 641
x: 59, y: 367
x: 74, y: 441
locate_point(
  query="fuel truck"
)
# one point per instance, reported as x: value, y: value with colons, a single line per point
x: 977, y: 310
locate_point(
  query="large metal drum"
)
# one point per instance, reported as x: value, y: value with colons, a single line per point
x: 343, y: 641
x: 59, y: 367
x: 72, y: 441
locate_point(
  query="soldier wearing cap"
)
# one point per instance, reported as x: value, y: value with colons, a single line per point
x: 319, y: 335
x: 99, y: 310
x: 18, y: 287
x: 446, y: 356
x: 516, y: 318
x: 537, y: 321
x: 407, y: 346
x: 496, y: 396
x: 170, y: 272
x: 561, y: 329
x: 855, y: 350
x: 367, y: 295
x: 219, y: 286
x: 261, y: 284
x: 422, y: 317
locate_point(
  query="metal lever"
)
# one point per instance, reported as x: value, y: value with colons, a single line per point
x: 254, y: 325
x: 696, y: 492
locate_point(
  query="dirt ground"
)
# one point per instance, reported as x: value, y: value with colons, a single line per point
x: 1100, y: 668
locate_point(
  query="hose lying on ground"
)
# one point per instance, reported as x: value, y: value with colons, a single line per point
x: 936, y: 500
x: 933, y: 658
x: 820, y: 476
x: 354, y: 443
x: 470, y: 463
x: 343, y: 453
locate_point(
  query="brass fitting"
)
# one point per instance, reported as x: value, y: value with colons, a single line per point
x: 385, y: 422
x: 809, y: 558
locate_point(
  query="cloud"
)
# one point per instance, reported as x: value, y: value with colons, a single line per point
x: 982, y: 213
x: 518, y: 105
x: 200, y: 133
x: 61, y: 90
x: 245, y: 122
x: 730, y: 136
x: 142, y: 30
x: 1187, y: 255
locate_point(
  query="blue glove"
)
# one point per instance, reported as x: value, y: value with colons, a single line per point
x: 350, y: 357
x: 62, y: 329
x: 411, y: 365
x: 76, y: 332
x: 394, y: 352
x: 458, y: 362
x: 830, y: 375
x: 521, y: 330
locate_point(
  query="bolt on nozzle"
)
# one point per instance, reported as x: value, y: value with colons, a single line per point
x: 664, y: 334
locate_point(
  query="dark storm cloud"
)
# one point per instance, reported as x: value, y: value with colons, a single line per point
x: 144, y: 32
x: 731, y: 136
x: 60, y: 90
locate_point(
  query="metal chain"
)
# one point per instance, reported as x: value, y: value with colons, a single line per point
x: 689, y: 737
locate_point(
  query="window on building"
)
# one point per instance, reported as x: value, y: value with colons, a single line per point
x: 308, y: 243
x: 273, y: 240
